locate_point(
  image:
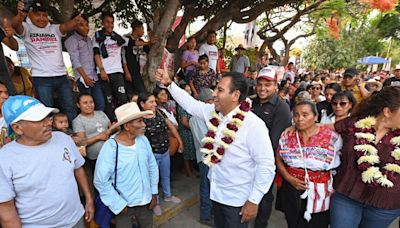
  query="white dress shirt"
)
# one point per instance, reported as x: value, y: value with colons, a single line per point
x: 247, y: 168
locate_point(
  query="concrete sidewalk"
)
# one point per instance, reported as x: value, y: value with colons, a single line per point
x: 186, y: 214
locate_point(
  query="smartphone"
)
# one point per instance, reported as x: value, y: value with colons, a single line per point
x: 28, y: 5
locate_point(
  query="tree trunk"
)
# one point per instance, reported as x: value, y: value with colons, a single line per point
x: 273, y: 52
x: 224, y: 35
x: 162, y: 31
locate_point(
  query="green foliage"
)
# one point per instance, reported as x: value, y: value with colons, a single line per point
x: 324, y: 52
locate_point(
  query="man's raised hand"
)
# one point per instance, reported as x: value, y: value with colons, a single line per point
x: 162, y: 77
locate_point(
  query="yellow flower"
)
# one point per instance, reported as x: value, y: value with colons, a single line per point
x: 367, y: 122
x: 223, y: 144
x: 207, y: 140
x: 207, y: 160
x: 368, y: 136
x: 229, y: 133
x: 370, y: 174
x: 211, y: 127
x: 206, y: 151
x: 241, y: 113
x: 367, y: 149
x: 395, y: 141
x: 392, y: 167
x: 371, y: 159
x: 216, y: 116
x: 217, y: 155
x: 396, y: 153
x: 237, y: 122
x: 385, y: 182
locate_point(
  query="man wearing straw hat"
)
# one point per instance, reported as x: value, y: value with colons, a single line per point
x: 133, y: 194
x: 395, y: 80
x: 39, y: 171
x: 240, y: 62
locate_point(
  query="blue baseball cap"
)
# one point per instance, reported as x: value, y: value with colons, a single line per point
x: 20, y: 107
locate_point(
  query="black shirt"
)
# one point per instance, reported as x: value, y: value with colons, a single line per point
x: 2, y: 34
x: 276, y: 115
x: 132, y: 55
x: 157, y: 133
x: 324, y: 105
x: 392, y: 82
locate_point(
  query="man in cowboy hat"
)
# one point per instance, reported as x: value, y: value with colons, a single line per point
x: 240, y: 62
x: 39, y: 171
x: 137, y: 170
x: 395, y: 80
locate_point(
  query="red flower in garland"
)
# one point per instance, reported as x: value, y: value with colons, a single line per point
x: 221, y: 151
x: 232, y: 127
x: 214, y: 121
x: 209, y: 146
x: 214, y: 159
x: 227, y: 140
x: 210, y: 134
x: 239, y: 116
x: 245, y: 106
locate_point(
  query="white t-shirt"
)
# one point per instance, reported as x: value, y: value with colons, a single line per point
x: 44, y: 49
x: 41, y: 181
x: 113, y: 63
x: 212, y: 52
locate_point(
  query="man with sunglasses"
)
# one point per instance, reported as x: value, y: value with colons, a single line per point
x: 352, y: 82
x: 40, y: 171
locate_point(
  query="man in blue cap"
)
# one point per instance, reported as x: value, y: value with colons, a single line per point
x: 39, y: 171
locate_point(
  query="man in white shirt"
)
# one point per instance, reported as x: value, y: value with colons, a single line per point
x: 211, y: 51
x: 107, y: 48
x: 43, y: 44
x: 247, y: 168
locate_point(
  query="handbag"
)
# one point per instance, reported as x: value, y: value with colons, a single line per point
x: 102, y: 214
x: 173, y: 141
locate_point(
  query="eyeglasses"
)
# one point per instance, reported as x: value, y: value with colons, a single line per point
x: 316, y: 88
x: 342, y: 103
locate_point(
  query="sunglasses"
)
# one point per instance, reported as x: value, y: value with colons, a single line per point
x: 341, y: 104
x: 347, y: 77
x: 316, y: 88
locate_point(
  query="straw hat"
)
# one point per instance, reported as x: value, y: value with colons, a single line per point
x: 374, y: 81
x: 128, y: 112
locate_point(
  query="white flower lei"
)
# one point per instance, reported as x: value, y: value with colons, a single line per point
x: 373, y: 173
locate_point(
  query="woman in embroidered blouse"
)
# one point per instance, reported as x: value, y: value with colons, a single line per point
x: 157, y: 126
x: 367, y: 185
x: 315, y: 158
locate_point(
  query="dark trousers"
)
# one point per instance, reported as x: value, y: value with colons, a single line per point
x: 264, y: 210
x: 227, y: 216
x: 114, y: 90
x: 140, y: 216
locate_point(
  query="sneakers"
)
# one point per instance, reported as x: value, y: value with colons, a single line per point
x: 157, y: 210
x: 173, y: 199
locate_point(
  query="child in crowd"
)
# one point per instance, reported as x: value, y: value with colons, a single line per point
x: 60, y: 123
x: 203, y: 77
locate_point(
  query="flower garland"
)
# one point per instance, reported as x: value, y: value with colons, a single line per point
x: 368, y: 158
x: 213, y: 149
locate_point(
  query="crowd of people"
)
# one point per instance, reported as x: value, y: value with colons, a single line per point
x: 329, y: 140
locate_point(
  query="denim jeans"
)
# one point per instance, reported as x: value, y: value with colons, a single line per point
x: 45, y: 88
x: 163, y: 163
x: 346, y: 212
x: 96, y: 93
x: 205, y: 202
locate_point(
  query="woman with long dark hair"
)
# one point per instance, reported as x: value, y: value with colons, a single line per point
x: 368, y: 183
